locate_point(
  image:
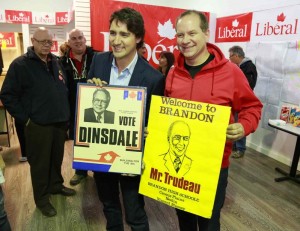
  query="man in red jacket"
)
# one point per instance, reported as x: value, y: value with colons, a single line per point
x: 202, y: 73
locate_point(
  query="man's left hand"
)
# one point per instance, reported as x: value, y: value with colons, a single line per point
x: 235, y: 132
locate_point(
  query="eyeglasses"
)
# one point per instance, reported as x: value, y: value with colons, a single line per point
x: 231, y: 55
x: 99, y: 101
x: 179, y: 137
x: 44, y: 42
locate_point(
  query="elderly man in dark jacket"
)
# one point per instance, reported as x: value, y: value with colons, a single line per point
x: 35, y: 93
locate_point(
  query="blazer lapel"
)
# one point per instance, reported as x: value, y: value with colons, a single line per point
x: 137, y: 77
x: 107, y: 68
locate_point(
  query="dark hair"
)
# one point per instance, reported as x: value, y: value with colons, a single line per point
x: 203, y: 20
x: 133, y: 20
x: 106, y: 92
x: 238, y: 51
x: 170, y: 60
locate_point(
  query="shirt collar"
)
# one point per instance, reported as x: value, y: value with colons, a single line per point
x: 73, y: 57
x: 131, y: 65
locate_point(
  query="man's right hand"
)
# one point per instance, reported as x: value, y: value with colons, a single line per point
x: 97, y: 81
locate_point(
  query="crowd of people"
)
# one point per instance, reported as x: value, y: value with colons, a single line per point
x: 42, y: 99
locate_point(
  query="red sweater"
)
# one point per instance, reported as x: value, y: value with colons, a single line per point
x: 219, y: 82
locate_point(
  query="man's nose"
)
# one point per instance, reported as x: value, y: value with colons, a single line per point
x: 185, y: 39
x: 181, y: 140
x: 117, y: 39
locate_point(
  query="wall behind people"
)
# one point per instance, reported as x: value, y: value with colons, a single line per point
x: 275, y: 62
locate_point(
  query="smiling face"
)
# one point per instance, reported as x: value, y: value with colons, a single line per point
x: 191, y: 40
x: 77, y: 42
x: 100, y: 102
x: 179, y: 139
x: 122, y: 41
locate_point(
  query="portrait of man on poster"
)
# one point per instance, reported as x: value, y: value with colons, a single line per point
x: 175, y: 160
x: 99, y: 113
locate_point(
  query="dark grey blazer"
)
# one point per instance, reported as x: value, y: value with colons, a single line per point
x: 89, y: 116
x: 144, y: 75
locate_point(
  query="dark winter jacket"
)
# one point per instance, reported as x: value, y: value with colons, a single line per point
x: 32, y: 90
x: 250, y: 72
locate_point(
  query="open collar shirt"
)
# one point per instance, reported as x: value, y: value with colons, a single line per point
x: 124, y: 77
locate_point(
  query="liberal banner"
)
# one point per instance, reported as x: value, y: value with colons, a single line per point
x: 236, y: 28
x: 109, y: 133
x: 279, y: 24
x: 183, y: 153
x: 7, y: 39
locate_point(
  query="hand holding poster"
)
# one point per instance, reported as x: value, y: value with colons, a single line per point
x: 183, y: 153
x: 109, y: 129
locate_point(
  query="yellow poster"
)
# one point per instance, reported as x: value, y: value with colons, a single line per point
x: 109, y: 134
x: 183, y: 153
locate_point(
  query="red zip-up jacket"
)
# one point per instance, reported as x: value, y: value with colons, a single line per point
x: 219, y: 82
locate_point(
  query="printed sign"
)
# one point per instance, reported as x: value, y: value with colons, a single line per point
x: 236, y: 28
x: 15, y: 16
x: 109, y: 129
x: 62, y: 18
x: 183, y: 153
x: 7, y: 39
x: 43, y: 18
x: 279, y: 24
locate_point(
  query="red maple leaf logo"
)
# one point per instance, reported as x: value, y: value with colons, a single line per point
x: 108, y: 157
x: 281, y: 17
x: 132, y: 95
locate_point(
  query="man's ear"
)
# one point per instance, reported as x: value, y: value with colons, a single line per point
x: 207, y: 34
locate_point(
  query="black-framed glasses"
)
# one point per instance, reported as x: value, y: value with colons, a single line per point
x: 44, y: 42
